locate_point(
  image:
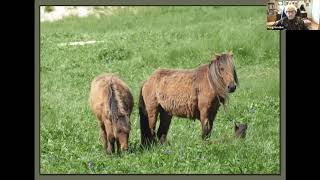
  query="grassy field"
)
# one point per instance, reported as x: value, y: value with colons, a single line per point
x: 136, y: 41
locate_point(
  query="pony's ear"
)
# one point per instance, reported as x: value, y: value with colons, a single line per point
x: 216, y: 58
x: 236, y: 125
x: 231, y: 53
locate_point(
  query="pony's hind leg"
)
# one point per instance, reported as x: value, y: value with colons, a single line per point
x: 152, y: 116
x: 110, y: 137
x: 111, y: 148
x: 103, y: 135
x: 165, y: 120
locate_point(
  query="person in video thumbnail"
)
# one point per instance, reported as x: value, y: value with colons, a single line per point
x: 291, y: 22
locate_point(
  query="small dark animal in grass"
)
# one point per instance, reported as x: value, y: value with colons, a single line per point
x: 112, y: 102
x: 240, y: 130
x: 194, y: 94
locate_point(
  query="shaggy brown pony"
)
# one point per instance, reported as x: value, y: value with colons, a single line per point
x: 112, y: 103
x: 194, y: 94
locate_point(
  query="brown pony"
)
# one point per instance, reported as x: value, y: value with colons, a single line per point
x: 112, y: 102
x: 194, y: 94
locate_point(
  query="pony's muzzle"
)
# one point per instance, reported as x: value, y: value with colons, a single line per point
x: 232, y: 88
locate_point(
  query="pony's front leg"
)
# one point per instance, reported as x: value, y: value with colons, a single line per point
x: 206, y: 124
x: 103, y: 136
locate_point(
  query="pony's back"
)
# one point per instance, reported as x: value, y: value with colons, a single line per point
x: 110, y: 95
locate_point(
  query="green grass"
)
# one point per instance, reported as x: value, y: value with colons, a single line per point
x: 137, y: 40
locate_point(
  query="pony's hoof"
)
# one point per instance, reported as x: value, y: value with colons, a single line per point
x: 165, y: 143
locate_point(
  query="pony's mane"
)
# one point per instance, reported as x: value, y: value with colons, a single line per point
x: 214, y: 75
x: 116, y: 108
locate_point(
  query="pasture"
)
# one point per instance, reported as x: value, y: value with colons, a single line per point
x: 132, y: 43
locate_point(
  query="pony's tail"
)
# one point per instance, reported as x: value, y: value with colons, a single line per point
x: 144, y: 122
x: 113, y: 103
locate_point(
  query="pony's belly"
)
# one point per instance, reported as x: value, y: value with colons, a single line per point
x: 192, y: 115
x: 184, y: 107
x: 176, y: 94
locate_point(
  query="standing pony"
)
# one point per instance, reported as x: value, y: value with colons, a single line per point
x: 112, y: 102
x: 194, y: 94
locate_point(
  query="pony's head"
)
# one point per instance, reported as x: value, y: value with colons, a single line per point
x: 122, y: 130
x: 223, y: 74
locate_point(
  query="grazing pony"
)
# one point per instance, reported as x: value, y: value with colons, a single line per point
x: 112, y: 103
x: 194, y: 94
